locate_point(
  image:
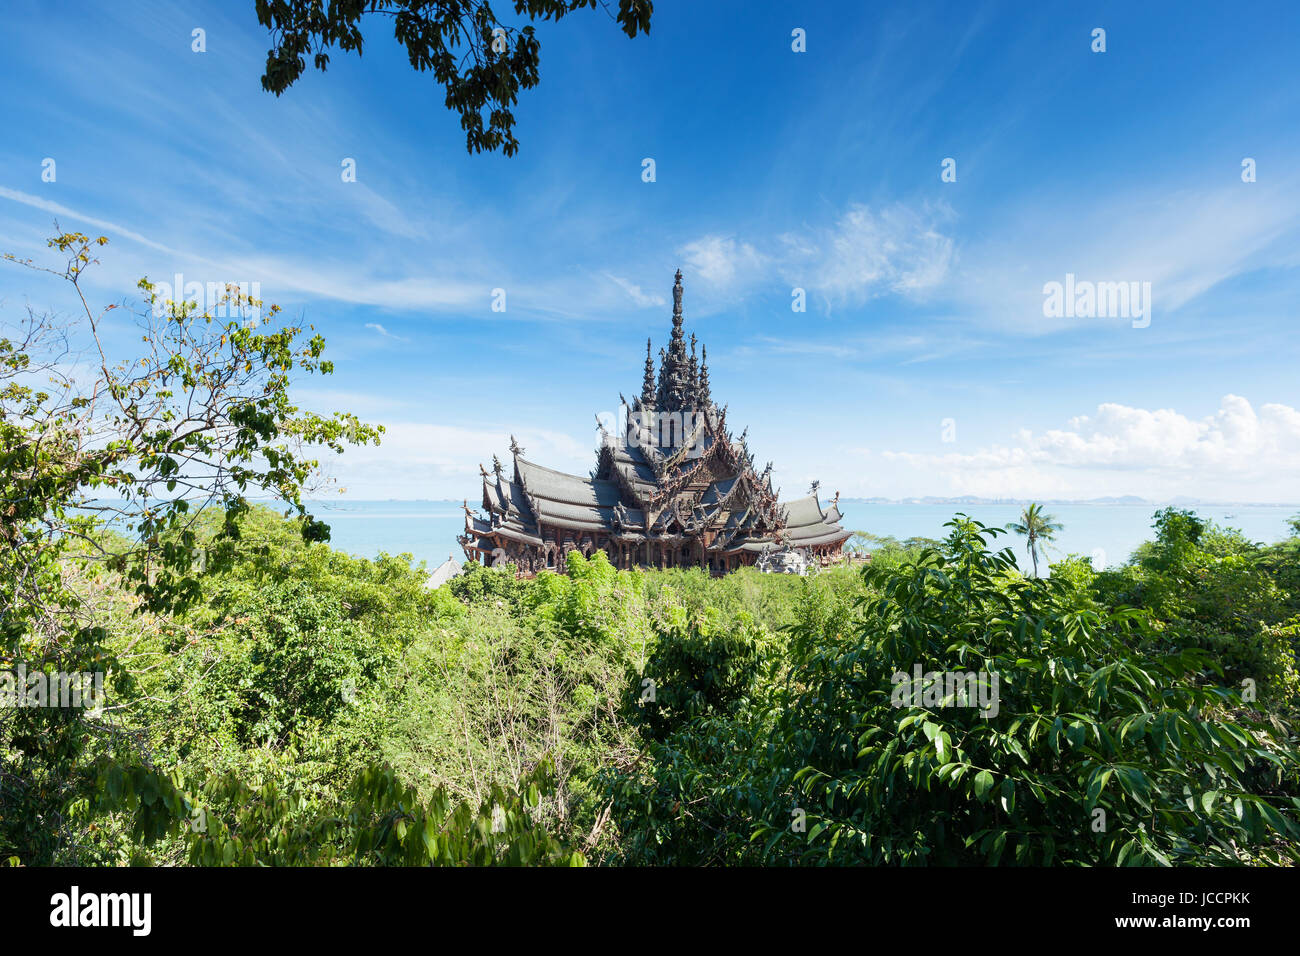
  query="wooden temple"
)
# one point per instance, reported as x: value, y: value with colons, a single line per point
x: 671, y: 488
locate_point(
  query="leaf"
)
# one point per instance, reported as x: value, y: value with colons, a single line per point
x: 1097, y: 784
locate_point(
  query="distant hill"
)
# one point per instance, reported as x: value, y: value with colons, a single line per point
x: 978, y: 500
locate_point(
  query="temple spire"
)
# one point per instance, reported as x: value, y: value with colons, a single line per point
x: 693, y: 376
x: 675, y: 391
x: 704, y: 377
x: 661, y: 386
x: 677, y: 346
x: 648, y: 385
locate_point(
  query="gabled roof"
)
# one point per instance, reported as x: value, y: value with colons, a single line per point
x: 803, y: 511
x: 443, y: 573
x: 557, y: 486
x: 806, y: 524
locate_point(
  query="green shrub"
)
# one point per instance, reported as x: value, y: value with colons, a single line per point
x: 1094, y: 754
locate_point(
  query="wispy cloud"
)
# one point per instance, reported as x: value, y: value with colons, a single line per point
x: 1185, y: 242
x: 58, y: 209
x: 635, y: 293
x: 899, y: 249
x: 862, y: 254
x: 384, y: 333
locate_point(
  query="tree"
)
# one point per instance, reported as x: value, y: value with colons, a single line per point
x: 199, y: 419
x: 504, y: 59
x: 1037, y: 528
x: 859, y: 541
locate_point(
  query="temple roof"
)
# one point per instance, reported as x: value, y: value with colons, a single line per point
x: 802, y: 512
x: 544, y: 497
x: 557, y: 486
x: 675, y: 472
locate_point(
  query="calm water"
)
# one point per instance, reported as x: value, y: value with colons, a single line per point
x: 1108, y: 533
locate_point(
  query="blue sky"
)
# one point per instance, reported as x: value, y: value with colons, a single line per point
x: 775, y: 170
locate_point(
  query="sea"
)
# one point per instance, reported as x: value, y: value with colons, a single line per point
x: 1104, y: 533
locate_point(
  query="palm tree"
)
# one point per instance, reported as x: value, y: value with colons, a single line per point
x: 1037, y: 528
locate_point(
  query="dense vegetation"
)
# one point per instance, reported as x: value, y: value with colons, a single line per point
x: 314, y: 707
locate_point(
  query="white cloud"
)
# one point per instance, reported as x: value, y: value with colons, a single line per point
x: 384, y: 332
x: 384, y: 213
x: 722, y: 261
x: 1235, y: 440
x: 35, y: 202
x: 421, y: 460
x: 279, y: 275
x: 1183, y: 241
x: 896, y: 250
x: 637, y: 295
x: 1237, y: 453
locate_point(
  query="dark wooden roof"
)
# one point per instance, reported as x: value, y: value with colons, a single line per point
x: 638, y: 491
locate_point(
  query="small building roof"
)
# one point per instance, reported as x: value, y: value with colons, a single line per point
x: 443, y: 573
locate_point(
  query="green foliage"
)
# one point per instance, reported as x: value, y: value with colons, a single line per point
x: 694, y: 798
x: 201, y: 414
x: 756, y: 748
x: 536, y: 670
x: 1209, y: 588
x: 593, y: 602
x: 481, y: 584
x: 865, y: 541
x: 701, y: 667
x: 1083, y: 723
x: 503, y: 60
x: 306, y: 657
x: 709, y: 770
x: 379, y: 821
x: 1096, y: 749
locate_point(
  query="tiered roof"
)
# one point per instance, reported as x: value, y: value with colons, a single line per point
x: 673, y: 475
